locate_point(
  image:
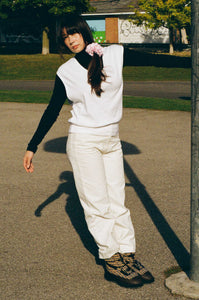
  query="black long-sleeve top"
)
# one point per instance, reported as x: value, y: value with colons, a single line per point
x: 131, y: 57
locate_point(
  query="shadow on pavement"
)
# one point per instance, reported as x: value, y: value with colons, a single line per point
x: 59, y: 146
x: 74, y: 209
x: 174, y: 244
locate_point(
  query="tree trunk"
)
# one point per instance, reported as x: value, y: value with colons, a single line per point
x: 184, y: 39
x: 171, y: 47
x: 45, y: 41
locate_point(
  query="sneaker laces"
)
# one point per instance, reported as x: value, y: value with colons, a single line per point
x: 128, y: 258
x: 126, y: 270
x: 116, y: 262
x: 138, y: 265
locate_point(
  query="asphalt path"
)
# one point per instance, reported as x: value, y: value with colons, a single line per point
x: 160, y: 89
x: 46, y: 250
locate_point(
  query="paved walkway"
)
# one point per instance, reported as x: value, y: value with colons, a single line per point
x: 164, y: 89
x: 47, y: 252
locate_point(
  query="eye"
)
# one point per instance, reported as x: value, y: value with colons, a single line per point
x: 64, y: 36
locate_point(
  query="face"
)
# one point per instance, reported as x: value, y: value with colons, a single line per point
x: 74, y: 42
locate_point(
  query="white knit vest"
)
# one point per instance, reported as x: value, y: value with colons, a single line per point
x: 90, y: 113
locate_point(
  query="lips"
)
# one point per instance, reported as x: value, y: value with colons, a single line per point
x: 75, y: 47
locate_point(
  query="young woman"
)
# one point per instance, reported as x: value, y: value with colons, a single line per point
x: 92, y: 81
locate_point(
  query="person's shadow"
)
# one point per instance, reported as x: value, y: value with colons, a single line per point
x: 73, y: 209
x: 76, y: 214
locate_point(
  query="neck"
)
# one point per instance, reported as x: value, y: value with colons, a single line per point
x: 83, y: 58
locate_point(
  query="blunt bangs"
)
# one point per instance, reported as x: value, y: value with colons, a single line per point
x: 71, y: 29
x: 76, y: 24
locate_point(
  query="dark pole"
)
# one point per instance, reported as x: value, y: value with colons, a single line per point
x: 194, y: 264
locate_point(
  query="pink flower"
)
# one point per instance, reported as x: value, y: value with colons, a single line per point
x: 94, y: 48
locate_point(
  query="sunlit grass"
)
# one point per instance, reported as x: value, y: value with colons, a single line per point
x: 156, y: 74
x: 157, y: 103
x: 128, y: 101
x: 30, y: 67
x: 44, y: 67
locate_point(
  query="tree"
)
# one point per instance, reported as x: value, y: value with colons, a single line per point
x: 43, y: 13
x: 4, y: 9
x: 172, y: 14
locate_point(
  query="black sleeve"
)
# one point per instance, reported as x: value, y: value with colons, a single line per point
x: 50, y: 114
x: 134, y: 57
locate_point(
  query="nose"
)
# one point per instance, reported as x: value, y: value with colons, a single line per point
x: 71, y: 38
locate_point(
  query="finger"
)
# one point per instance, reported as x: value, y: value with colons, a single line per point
x: 26, y: 163
x: 31, y: 168
x: 28, y: 166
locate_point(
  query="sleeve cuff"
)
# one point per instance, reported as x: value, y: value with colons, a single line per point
x: 32, y: 148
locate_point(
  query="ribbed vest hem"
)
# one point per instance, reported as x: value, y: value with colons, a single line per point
x: 110, y: 130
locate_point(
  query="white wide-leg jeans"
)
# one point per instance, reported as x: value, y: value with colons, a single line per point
x: 97, y: 163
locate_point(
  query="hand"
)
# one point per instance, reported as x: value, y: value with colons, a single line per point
x: 27, y: 161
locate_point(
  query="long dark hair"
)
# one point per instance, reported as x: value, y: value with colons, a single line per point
x: 76, y: 24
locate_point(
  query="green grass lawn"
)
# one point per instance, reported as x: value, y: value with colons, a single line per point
x: 156, y: 74
x: 30, y: 67
x: 25, y: 96
x: 129, y: 101
x: 157, y: 103
x: 44, y: 67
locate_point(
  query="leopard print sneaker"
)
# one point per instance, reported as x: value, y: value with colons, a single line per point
x: 135, y: 265
x: 116, y: 270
